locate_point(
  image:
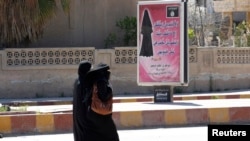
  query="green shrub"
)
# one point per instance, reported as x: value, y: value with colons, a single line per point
x: 128, y: 33
x: 128, y: 26
x: 241, y: 29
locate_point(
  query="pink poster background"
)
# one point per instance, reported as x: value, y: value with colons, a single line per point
x: 164, y: 65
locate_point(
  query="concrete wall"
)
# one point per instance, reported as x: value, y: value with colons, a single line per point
x: 51, y: 72
x: 218, y: 69
x: 88, y: 23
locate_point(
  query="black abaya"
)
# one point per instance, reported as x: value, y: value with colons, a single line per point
x: 80, y: 109
x: 146, y: 30
x: 88, y: 125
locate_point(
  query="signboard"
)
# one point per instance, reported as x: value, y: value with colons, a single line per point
x: 162, y: 57
x: 163, y: 94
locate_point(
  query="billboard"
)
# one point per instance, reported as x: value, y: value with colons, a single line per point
x: 162, y: 57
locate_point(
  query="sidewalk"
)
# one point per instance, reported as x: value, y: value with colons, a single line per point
x: 51, y: 115
x: 129, y: 98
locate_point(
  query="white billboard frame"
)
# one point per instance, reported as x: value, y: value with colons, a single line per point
x: 183, y: 42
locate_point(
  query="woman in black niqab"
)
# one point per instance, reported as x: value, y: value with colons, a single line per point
x: 80, y: 109
x: 87, y: 124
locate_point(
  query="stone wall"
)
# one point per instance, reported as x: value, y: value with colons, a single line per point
x: 51, y: 72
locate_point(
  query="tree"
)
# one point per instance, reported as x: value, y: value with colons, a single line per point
x: 23, y: 21
x: 203, y: 21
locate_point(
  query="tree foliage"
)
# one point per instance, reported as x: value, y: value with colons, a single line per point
x: 23, y: 21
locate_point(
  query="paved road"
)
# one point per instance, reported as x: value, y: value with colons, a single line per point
x: 198, y: 133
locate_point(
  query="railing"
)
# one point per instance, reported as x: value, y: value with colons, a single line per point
x: 233, y: 56
x: 30, y: 57
x: 125, y: 55
x: 47, y: 57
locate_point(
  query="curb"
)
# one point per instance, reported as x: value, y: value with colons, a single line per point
x: 181, y: 117
x: 62, y: 122
x: 16, y: 123
x: 132, y: 99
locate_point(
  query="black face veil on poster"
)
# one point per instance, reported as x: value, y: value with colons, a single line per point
x: 146, y: 30
x: 162, y: 43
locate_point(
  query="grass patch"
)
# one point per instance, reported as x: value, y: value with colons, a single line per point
x: 4, y: 108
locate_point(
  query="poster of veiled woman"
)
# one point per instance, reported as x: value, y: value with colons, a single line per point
x: 161, y: 43
x: 146, y: 31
